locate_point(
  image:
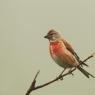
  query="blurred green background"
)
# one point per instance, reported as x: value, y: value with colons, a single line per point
x: 24, y: 51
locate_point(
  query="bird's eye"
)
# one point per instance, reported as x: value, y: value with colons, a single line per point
x: 52, y: 34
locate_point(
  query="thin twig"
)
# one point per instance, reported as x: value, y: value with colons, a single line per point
x: 33, y: 87
x: 92, y: 55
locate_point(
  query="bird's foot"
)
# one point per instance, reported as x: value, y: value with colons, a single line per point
x: 70, y: 72
x: 60, y: 77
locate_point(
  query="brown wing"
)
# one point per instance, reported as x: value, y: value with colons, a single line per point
x: 69, y: 47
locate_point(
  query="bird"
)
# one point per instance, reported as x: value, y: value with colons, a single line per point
x: 63, y: 53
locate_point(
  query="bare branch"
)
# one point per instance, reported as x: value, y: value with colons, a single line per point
x: 33, y: 87
x: 92, y: 55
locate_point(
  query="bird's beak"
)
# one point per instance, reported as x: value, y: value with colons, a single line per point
x: 46, y: 36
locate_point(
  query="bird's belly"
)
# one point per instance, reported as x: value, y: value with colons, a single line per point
x: 61, y: 62
x: 58, y: 54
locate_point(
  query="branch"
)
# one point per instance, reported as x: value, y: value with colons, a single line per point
x: 92, y: 55
x: 33, y: 87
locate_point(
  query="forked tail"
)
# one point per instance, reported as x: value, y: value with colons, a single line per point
x: 87, y: 74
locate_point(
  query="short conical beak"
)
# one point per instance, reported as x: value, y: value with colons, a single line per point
x: 46, y: 37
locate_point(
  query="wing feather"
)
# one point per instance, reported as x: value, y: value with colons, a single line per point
x: 69, y: 47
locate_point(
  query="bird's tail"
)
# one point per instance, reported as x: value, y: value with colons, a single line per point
x: 82, y: 63
x: 87, y: 74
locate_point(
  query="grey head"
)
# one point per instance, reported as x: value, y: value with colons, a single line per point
x: 52, y: 35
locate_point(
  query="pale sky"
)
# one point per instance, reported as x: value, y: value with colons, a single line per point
x: 24, y: 51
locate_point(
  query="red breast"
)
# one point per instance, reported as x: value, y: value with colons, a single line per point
x: 56, y: 48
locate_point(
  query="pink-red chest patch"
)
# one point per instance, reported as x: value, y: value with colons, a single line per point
x: 54, y: 47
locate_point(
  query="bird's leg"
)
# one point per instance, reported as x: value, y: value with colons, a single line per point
x: 70, y: 71
x: 61, y: 78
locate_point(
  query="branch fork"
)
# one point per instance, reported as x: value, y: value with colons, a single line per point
x: 33, y: 86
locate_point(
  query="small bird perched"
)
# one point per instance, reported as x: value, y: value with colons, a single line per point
x: 63, y: 53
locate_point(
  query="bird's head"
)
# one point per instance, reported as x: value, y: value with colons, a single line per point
x: 52, y: 35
